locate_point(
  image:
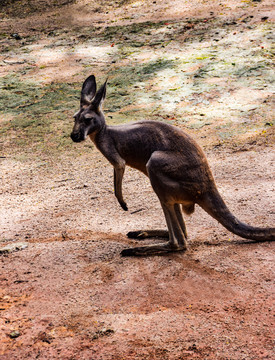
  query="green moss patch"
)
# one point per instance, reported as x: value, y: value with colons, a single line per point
x: 36, y: 115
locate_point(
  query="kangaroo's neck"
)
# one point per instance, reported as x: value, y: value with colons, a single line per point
x: 113, y: 142
x: 104, y: 140
x: 99, y: 136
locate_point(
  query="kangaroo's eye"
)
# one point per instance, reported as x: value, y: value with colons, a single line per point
x: 88, y: 119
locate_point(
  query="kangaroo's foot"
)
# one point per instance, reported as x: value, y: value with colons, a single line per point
x: 152, y: 250
x: 145, y: 234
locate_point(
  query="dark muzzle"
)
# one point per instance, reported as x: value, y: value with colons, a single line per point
x: 77, y: 137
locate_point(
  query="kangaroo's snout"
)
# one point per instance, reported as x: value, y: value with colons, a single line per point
x: 76, y: 137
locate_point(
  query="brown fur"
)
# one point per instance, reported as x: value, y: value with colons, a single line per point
x: 173, y: 161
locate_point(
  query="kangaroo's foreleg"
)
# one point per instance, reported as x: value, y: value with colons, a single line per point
x: 118, y: 176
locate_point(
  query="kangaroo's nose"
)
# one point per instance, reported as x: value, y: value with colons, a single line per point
x: 75, y: 137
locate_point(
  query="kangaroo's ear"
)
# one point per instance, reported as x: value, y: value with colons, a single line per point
x: 88, y: 90
x: 100, y: 96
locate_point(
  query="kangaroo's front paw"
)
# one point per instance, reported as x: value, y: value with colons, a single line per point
x: 124, y: 206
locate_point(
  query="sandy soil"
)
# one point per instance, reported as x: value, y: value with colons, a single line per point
x: 68, y: 294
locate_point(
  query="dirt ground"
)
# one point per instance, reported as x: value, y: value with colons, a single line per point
x: 66, y: 293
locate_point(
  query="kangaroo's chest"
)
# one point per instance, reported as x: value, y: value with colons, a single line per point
x: 136, y: 155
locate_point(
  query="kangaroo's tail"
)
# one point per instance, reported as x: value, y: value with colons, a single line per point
x: 214, y: 205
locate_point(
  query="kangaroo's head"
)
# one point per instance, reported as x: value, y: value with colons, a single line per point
x: 89, y: 119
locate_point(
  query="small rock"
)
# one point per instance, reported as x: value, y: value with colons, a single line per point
x: 42, y: 336
x: 103, y: 332
x: 13, y: 247
x: 14, y: 334
x: 16, y: 36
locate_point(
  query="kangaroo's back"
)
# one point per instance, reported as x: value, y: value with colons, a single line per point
x: 136, y: 142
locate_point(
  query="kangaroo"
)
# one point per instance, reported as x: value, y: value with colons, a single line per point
x: 176, y: 166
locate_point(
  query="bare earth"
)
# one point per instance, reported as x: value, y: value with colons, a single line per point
x: 68, y: 294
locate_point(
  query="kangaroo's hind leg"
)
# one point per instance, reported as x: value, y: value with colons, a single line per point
x: 180, y: 219
x: 146, y: 234
x: 176, y: 237
x: 165, y: 188
x: 164, y: 234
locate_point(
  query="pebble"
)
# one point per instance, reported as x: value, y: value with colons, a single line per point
x: 14, y: 334
x: 13, y: 247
